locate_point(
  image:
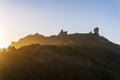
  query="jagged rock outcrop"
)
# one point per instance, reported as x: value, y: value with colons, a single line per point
x: 63, y: 33
x: 96, y: 31
x: 63, y: 38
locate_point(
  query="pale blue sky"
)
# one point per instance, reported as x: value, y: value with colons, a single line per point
x: 19, y: 18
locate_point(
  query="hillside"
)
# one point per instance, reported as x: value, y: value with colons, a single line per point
x: 86, y: 39
x: 36, y: 62
x: 64, y: 56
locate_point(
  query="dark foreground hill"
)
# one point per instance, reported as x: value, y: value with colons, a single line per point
x: 36, y: 62
x: 62, y: 57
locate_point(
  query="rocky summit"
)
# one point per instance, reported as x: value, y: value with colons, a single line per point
x: 78, y: 56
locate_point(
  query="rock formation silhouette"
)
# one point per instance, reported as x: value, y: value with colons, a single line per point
x: 63, y: 38
x: 96, y: 31
x: 62, y: 33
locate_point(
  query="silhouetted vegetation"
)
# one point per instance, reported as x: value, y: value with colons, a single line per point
x: 36, y: 62
x: 61, y: 57
x: 11, y: 48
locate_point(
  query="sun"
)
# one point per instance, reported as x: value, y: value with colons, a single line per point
x: 4, y: 41
x: 3, y: 44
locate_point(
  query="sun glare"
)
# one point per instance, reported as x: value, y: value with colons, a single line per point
x: 3, y: 45
x: 3, y: 41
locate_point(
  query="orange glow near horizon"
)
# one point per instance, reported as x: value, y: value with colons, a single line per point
x: 3, y: 44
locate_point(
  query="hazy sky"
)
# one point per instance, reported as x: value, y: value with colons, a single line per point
x: 19, y: 18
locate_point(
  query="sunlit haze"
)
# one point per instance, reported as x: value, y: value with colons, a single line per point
x: 19, y: 18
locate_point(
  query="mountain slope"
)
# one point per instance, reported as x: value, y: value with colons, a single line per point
x: 36, y: 62
x: 61, y: 57
x: 63, y: 38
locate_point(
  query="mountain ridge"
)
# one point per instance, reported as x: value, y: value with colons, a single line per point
x: 63, y: 38
x: 77, y: 56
